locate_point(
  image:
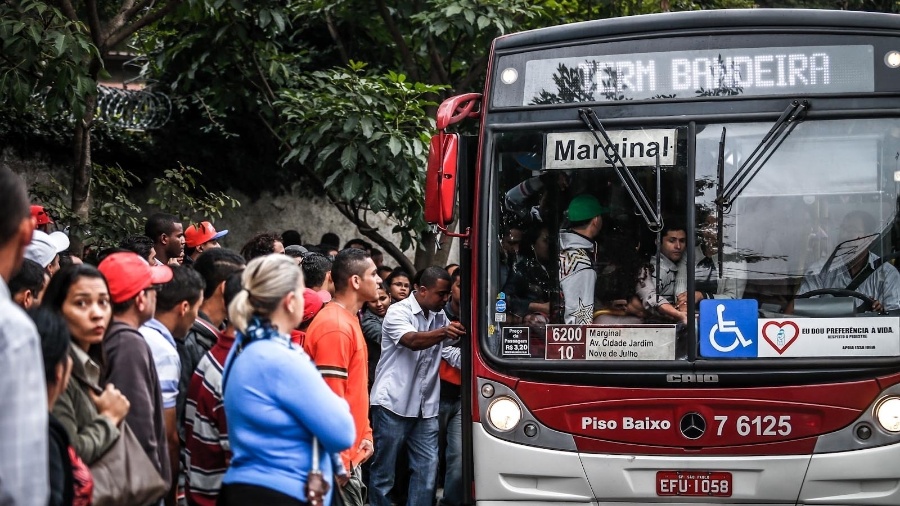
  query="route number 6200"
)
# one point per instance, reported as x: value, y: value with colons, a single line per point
x: 567, y: 334
x: 759, y: 425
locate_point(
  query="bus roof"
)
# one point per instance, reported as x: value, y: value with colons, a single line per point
x: 693, y: 20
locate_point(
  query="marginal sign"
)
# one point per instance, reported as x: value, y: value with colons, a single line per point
x: 638, y: 148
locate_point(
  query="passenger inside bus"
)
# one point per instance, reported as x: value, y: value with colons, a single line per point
x: 529, y: 285
x: 578, y: 256
x: 615, y: 295
x: 711, y: 282
x: 851, y: 266
x: 657, y: 289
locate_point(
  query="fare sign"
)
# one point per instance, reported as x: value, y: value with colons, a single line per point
x: 610, y: 342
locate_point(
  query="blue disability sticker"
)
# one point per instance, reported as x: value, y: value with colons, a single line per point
x: 728, y: 328
x: 501, y: 306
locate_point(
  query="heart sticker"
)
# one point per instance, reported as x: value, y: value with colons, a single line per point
x: 781, y: 334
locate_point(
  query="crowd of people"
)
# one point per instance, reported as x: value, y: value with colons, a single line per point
x: 279, y: 373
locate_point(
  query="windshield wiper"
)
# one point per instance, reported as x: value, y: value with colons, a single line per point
x: 789, y: 119
x: 652, y: 216
x: 720, y: 174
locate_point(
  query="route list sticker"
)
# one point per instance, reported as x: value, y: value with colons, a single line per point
x: 607, y: 342
x: 515, y: 342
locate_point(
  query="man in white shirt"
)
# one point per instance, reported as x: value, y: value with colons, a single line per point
x: 405, y: 395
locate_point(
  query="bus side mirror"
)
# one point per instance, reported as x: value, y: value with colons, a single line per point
x: 440, y: 179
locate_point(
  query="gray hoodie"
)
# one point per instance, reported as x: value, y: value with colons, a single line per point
x: 577, y: 276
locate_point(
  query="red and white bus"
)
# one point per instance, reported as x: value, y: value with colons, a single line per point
x: 773, y: 137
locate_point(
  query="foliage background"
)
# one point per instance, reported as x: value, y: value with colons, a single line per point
x: 335, y: 97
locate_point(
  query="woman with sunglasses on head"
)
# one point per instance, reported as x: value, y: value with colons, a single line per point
x: 277, y: 404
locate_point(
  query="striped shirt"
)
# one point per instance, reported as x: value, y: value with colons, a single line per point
x: 207, y: 451
x: 165, y: 357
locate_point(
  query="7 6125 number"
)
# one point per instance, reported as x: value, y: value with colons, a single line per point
x: 760, y: 425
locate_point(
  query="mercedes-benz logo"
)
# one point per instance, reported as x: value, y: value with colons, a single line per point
x: 692, y: 426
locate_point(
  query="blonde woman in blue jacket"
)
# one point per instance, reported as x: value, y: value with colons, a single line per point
x: 276, y: 402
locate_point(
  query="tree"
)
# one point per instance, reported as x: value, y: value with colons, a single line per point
x: 246, y: 64
x: 58, y: 49
x: 364, y: 138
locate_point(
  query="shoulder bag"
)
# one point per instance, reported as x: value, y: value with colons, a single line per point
x: 125, y: 475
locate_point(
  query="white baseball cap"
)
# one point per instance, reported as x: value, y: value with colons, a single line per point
x: 44, y: 247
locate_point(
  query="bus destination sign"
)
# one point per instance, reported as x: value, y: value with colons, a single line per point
x: 638, y: 148
x: 610, y: 342
x: 700, y: 73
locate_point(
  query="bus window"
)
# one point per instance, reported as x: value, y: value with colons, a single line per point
x: 821, y: 208
x: 583, y: 262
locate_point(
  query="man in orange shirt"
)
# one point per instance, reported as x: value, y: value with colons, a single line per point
x: 336, y: 344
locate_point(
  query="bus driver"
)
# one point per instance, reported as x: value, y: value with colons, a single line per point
x: 860, y: 273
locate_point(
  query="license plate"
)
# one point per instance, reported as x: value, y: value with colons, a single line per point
x: 693, y: 483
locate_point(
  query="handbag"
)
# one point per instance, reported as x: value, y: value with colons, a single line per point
x: 316, y: 486
x: 354, y: 492
x: 125, y: 475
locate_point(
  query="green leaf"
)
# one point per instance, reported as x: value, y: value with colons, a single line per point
x: 59, y: 42
x: 349, y: 157
x: 395, y: 145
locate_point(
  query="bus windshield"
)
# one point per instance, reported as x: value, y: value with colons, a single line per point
x: 811, y: 236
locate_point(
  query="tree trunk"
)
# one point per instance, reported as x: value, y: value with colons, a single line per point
x: 428, y: 254
x: 82, y: 169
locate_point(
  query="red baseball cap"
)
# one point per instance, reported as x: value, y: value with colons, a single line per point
x: 312, y: 304
x: 127, y: 274
x: 196, y: 235
x: 40, y: 215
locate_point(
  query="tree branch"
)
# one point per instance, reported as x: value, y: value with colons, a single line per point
x: 270, y: 95
x: 406, y: 55
x: 475, y: 70
x: 336, y: 37
x: 94, y: 23
x: 116, y: 37
x: 66, y: 7
x: 437, y: 62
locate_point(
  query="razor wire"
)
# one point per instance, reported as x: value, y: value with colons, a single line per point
x: 133, y: 109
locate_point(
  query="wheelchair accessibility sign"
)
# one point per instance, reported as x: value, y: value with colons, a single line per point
x: 728, y: 328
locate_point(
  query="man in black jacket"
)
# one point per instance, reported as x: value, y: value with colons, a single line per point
x: 214, y: 266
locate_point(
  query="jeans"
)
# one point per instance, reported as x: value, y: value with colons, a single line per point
x: 451, y: 429
x: 391, y: 431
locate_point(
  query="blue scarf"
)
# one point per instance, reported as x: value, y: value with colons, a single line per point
x: 258, y: 329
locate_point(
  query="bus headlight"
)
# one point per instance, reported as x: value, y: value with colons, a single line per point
x: 504, y: 414
x: 888, y: 414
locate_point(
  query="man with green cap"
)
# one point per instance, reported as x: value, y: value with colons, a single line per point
x: 577, y: 256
